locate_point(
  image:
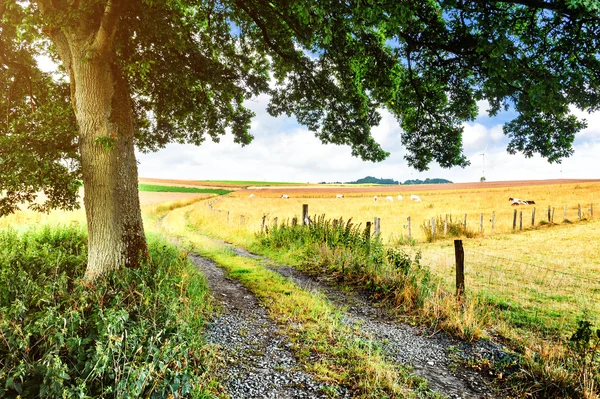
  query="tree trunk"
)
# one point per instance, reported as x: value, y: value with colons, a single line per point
x: 103, y: 110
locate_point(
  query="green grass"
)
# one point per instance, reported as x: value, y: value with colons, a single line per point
x: 246, y: 183
x: 131, y: 334
x: 177, y: 189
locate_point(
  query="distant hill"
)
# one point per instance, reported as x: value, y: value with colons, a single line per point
x: 373, y: 180
x: 428, y: 181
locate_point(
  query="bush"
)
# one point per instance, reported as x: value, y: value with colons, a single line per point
x: 131, y: 334
x: 344, y: 250
x: 454, y: 229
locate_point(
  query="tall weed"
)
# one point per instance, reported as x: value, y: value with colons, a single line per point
x: 131, y: 334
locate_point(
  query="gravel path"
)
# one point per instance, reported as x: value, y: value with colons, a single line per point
x: 259, y: 361
x: 429, y: 354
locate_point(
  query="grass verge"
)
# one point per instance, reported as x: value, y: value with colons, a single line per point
x: 132, y: 334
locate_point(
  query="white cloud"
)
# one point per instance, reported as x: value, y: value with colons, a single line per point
x: 285, y: 151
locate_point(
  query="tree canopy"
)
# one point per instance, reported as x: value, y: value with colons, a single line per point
x: 189, y: 67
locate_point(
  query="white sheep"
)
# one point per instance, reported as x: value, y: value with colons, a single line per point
x: 375, y: 198
x: 399, y: 198
x: 285, y: 196
x: 251, y: 196
x: 339, y: 196
x: 415, y: 198
x: 389, y: 198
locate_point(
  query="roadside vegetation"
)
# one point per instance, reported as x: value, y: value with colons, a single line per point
x: 550, y: 365
x: 131, y: 334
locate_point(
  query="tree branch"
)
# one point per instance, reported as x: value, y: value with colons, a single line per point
x: 108, y: 27
x: 559, y: 6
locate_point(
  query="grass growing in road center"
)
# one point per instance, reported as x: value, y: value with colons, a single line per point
x: 328, y: 348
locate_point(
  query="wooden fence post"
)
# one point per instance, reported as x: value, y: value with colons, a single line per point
x: 552, y: 215
x: 275, y: 222
x: 493, y: 221
x: 520, y: 220
x: 262, y: 226
x: 459, y: 255
x: 446, y: 226
x: 432, y: 228
x: 305, y: 214
x: 533, y: 217
x: 294, y: 221
x: 549, y: 215
x: 409, y: 229
x: 376, y: 226
x: 515, y: 220
x: 579, y: 211
x: 481, y: 223
x: 368, y: 231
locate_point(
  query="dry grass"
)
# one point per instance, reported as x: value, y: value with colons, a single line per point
x: 394, y: 215
x: 543, y: 276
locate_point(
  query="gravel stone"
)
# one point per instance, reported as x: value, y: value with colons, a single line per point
x: 260, y: 363
x: 433, y: 355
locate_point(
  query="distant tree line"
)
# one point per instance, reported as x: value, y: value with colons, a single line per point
x: 374, y: 180
x: 428, y: 181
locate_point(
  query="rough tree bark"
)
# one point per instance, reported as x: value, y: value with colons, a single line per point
x: 102, y: 104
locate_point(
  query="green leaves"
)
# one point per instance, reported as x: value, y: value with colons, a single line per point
x: 133, y: 334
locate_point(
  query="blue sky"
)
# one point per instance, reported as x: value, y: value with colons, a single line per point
x: 283, y: 150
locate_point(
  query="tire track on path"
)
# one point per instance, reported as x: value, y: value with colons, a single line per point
x: 258, y: 358
x: 430, y: 356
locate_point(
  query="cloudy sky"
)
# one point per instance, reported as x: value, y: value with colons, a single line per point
x: 283, y: 150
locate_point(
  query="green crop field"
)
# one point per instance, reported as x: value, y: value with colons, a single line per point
x: 177, y: 189
x: 246, y: 183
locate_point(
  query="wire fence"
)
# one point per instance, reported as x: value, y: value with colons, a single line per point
x: 397, y: 225
x: 529, y: 295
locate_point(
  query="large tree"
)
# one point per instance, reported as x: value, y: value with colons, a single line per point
x: 151, y: 72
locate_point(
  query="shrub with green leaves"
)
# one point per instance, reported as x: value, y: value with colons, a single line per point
x: 134, y: 333
x: 344, y: 250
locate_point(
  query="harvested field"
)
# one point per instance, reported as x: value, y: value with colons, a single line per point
x: 364, y: 190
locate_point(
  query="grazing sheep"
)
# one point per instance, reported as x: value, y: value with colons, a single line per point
x: 339, y: 196
x: 285, y: 196
x: 415, y: 198
x: 251, y: 196
x: 399, y: 198
x: 375, y: 198
x: 389, y: 199
x: 516, y: 201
